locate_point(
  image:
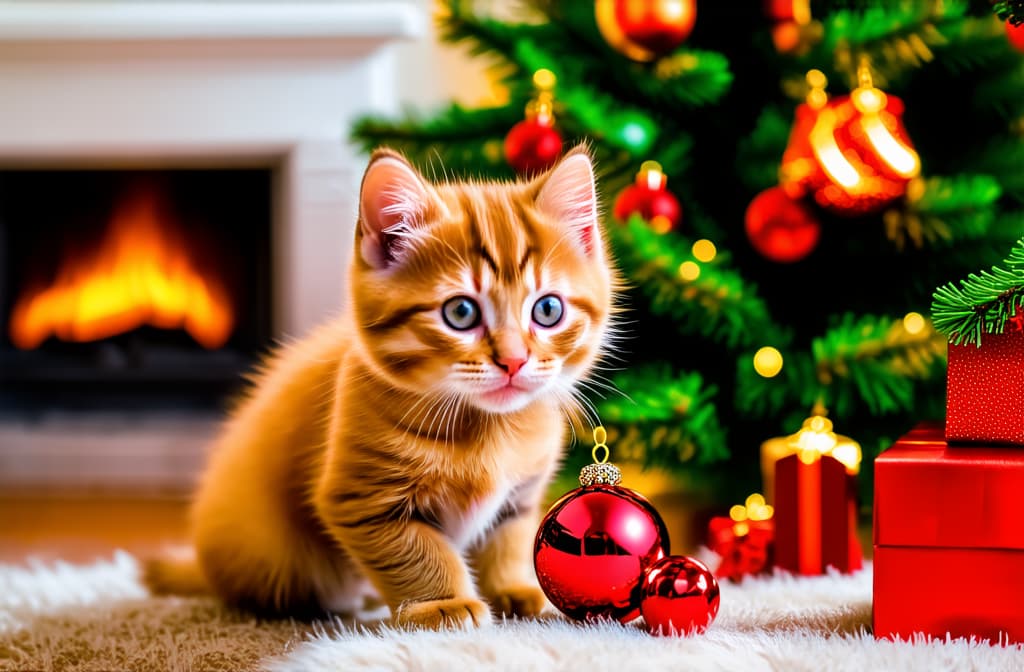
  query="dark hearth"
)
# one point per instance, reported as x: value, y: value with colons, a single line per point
x: 132, y: 285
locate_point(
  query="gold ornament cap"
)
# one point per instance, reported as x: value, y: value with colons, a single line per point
x: 601, y: 472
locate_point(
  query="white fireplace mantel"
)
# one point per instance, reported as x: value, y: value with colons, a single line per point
x: 277, y: 83
x: 189, y: 84
x: 110, y: 21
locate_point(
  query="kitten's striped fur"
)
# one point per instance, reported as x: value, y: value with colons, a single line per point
x: 391, y: 453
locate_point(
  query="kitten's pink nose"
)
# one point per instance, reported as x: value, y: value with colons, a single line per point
x: 511, y: 364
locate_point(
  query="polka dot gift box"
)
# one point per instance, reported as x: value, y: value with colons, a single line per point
x: 984, y: 320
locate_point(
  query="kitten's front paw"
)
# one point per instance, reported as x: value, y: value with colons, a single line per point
x: 459, y: 612
x: 525, y: 601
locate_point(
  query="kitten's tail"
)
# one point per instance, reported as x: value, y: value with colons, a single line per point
x: 175, y: 574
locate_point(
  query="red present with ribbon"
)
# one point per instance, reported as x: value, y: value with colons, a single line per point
x: 948, y: 539
x: 815, y: 515
x: 743, y: 539
x: 985, y: 388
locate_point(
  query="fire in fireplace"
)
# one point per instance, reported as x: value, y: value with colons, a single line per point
x: 143, y: 271
x: 117, y: 279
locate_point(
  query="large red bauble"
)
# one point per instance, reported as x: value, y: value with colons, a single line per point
x: 592, y: 549
x: 835, y: 158
x: 649, y: 203
x: 644, y: 30
x: 1016, y: 35
x: 680, y: 596
x: 780, y: 228
x: 532, y: 146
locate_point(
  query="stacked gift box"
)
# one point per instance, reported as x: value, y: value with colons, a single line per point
x: 948, y: 529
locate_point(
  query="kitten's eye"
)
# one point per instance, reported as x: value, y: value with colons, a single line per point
x: 547, y: 312
x: 461, y: 312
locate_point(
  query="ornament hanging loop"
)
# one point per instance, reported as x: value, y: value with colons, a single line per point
x: 601, y: 472
x: 600, y: 447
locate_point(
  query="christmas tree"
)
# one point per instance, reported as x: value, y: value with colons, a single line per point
x: 831, y: 163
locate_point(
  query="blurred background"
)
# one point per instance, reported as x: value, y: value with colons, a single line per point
x: 786, y: 183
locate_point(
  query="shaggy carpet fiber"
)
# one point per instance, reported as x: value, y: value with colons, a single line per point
x: 98, y: 617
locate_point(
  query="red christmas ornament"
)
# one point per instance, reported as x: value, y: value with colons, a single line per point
x: 649, y: 197
x: 1016, y: 35
x: 680, y: 596
x: 644, y: 30
x: 780, y: 228
x: 788, y: 10
x: 594, y: 545
x: 534, y: 144
x: 744, y: 539
x: 851, y: 153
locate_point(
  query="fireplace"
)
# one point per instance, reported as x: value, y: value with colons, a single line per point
x: 131, y: 285
x: 188, y: 163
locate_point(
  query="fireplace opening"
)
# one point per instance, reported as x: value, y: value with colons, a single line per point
x: 137, y: 286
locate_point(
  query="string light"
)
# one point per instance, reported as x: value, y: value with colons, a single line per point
x: 688, y: 270
x: 768, y: 362
x: 704, y: 250
x: 914, y: 323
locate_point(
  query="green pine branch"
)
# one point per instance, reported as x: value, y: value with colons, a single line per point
x: 1002, y: 158
x: 718, y: 304
x: 687, y: 77
x: 759, y: 154
x: 948, y: 211
x: 467, y: 142
x: 1002, y: 91
x: 795, y: 386
x: 669, y: 417
x: 864, y: 361
x: 897, y: 37
x: 983, y: 302
x: 973, y: 44
x: 874, y: 361
x: 1010, y: 10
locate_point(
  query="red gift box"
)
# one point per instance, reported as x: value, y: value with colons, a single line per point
x: 948, y: 539
x: 985, y: 390
x: 815, y: 516
x: 743, y: 539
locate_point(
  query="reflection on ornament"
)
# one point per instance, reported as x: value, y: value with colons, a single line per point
x: 851, y: 153
x: 644, y: 30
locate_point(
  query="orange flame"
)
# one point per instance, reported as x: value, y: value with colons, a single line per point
x: 141, y: 274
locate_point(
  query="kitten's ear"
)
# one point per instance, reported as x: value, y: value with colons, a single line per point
x: 393, y: 203
x: 567, y: 194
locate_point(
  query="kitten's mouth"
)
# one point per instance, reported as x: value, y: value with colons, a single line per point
x: 507, y: 394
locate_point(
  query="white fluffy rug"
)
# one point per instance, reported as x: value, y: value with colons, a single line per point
x: 772, y: 623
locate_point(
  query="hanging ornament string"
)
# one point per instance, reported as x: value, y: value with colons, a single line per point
x: 601, y: 472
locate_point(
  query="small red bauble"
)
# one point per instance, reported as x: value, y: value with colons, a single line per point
x: 780, y: 228
x: 1016, y: 35
x: 649, y: 197
x: 680, y: 596
x: 532, y: 146
x: 644, y: 30
x: 592, y: 549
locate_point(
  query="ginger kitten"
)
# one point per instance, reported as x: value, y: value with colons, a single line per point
x: 404, y: 450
